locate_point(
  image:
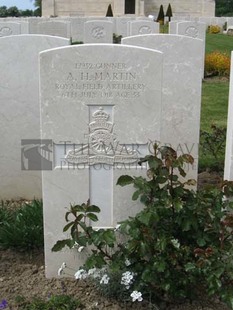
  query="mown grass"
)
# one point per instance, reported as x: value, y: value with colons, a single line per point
x: 214, y: 105
x: 219, y: 42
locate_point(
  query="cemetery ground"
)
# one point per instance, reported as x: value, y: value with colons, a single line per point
x: 22, y: 270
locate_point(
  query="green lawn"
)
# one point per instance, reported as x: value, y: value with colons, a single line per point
x: 214, y: 105
x: 219, y: 42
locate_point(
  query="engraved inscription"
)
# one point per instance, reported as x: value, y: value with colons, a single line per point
x: 191, y: 32
x: 100, y: 81
x: 5, y: 31
x: 98, y: 32
x: 102, y: 146
x: 145, y: 30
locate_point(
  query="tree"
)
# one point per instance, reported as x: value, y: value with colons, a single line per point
x: 3, y: 11
x: 26, y: 13
x: 38, y: 5
x: 160, y: 17
x: 13, y: 11
x: 169, y: 12
x: 224, y: 7
x: 109, y: 11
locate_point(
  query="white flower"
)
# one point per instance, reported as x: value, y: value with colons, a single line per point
x: 80, y: 249
x: 175, y: 243
x: 127, y: 279
x: 81, y: 274
x: 75, y: 246
x: 61, y: 269
x: 127, y: 262
x: 104, y: 279
x: 136, y: 296
x: 92, y: 271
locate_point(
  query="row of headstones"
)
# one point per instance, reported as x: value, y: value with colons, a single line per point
x: 204, y: 19
x: 225, y: 23
x: 97, y: 30
x: 81, y: 28
x: 101, y: 108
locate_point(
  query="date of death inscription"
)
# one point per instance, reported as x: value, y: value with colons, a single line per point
x: 103, y: 80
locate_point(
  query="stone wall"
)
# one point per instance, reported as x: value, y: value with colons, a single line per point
x: 94, y: 8
x: 182, y: 7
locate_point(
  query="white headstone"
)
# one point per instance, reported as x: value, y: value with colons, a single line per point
x: 77, y: 28
x: 100, y: 104
x: 20, y: 113
x: 196, y: 31
x: 228, y: 170
x: 172, y: 27
x: 122, y: 28
x: 181, y: 99
x: 98, y: 31
x: 138, y: 27
x: 9, y: 29
x: 52, y: 28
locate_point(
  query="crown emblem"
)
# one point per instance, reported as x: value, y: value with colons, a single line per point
x: 100, y: 121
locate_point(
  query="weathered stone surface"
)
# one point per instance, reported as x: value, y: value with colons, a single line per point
x: 98, y: 31
x: 105, y: 102
x: 19, y: 111
x: 181, y: 99
x: 228, y: 170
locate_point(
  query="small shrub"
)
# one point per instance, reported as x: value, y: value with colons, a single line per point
x: 214, y: 29
x: 117, y: 38
x: 22, y: 228
x: 179, y: 244
x: 212, y: 148
x: 217, y: 64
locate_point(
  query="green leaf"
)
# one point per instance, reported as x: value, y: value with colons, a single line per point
x: 79, y: 217
x: 61, y: 244
x: 78, y: 208
x: 109, y: 236
x: 160, y: 266
x: 135, y: 195
x: 182, y: 172
x: 144, y: 217
x: 125, y: 180
x: 94, y: 209
x: 154, y: 162
x: 190, y: 266
x: 66, y: 216
x: 92, y: 217
x: 201, y: 242
x: 68, y: 226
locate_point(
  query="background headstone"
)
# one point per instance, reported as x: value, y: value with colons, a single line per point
x: 20, y: 113
x: 228, y: 170
x: 181, y: 99
x: 95, y: 96
x: 98, y: 31
x: 138, y: 27
x: 196, y: 31
x: 9, y: 29
x: 50, y: 27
